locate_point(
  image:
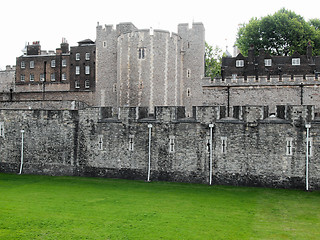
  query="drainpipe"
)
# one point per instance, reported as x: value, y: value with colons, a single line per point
x: 308, y: 126
x: 211, y: 127
x: 149, y: 154
x: 21, y: 164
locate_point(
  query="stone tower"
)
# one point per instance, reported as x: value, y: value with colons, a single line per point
x: 146, y: 67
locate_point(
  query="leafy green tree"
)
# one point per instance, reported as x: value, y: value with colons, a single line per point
x: 282, y: 33
x: 213, y: 58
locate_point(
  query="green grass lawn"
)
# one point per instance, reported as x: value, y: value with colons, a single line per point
x: 43, y: 207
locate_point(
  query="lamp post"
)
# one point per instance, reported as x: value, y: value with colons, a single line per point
x: 21, y: 164
x: 308, y: 126
x: 210, y: 141
x: 149, y: 152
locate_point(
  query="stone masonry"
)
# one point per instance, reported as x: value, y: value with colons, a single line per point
x: 250, y: 147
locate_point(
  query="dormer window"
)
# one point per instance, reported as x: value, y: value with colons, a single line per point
x: 268, y: 62
x: 239, y: 63
x: 295, y: 61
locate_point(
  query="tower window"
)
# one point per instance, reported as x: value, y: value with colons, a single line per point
x: 1, y: 129
x: 223, y: 145
x: 104, y: 44
x: 188, y: 73
x: 100, y: 142
x: 171, y: 144
x: 131, y: 143
x: 141, y: 53
x: 188, y: 92
x: 289, y: 147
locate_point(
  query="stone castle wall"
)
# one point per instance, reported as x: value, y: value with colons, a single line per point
x: 249, y: 148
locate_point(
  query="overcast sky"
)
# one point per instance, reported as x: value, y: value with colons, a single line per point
x: 50, y: 21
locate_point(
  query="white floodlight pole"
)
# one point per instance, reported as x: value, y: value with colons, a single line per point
x: 308, y: 126
x: 21, y: 164
x: 149, y: 154
x: 210, y: 141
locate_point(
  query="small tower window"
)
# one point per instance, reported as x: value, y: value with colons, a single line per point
x: 188, y: 92
x: 1, y: 129
x: 131, y: 143
x: 100, y: 142
x: 141, y: 53
x: 114, y: 89
x: 289, y: 147
x: 171, y: 144
x: 104, y: 44
x: 223, y: 145
x: 188, y: 73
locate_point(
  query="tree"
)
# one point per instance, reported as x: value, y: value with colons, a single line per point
x: 213, y: 58
x: 282, y: 33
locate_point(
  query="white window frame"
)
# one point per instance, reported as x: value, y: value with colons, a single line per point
x: 172, y: 144
x: 53, y: 77
x: 77, y: 70
x: 53, y: 63
x: 87, y: 70
x: 1, y: 129
x: 41, y: 77
x: 131, y: 143
x: 22, y: 77
x: 23, y: 64
x: 289, y: 146
x: 31, y: 77
x: 63, y: 76
x: 100, y: 142
x: 224, y: 145
x: 295, y: 61
x: 77, y: 84
x: 87, y: 56
x: 268, y: 62
x: 239, y: 63
x: 31, y: 64
x: 87, y: 84
x: 77, y: 56
x: 64, y: 62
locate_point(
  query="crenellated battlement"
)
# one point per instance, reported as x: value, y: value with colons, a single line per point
x: 250, y: 114
x: 262, y: 80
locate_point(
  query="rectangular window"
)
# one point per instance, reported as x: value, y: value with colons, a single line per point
x: 87, y: 84
x: 234, y: 78
x: 77, y: 84
x: 1, y: 129
x: 31, y: 77
x: 188, y: 73
x: 64, y: 76
x: 87, y: 70
x: 53, y: 77
x: 53, y: 63
x: 171, y: 144
x: 64, y: 62
x: 141, y: 53
x: 295, y: 61
x: 239, y: 63
x: 87, y: 56
x: 100, y: 142
x: 23, y: 64
x: 104, y: 44
x: 131, y: 143
x: 77, y: 70
x: 289, y: 146
x: 223, y: 145
x: 22, y: 78
x: 268, y: 62
x: 31, y: 64
x: 42, y: 77
x: 77, y: 56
